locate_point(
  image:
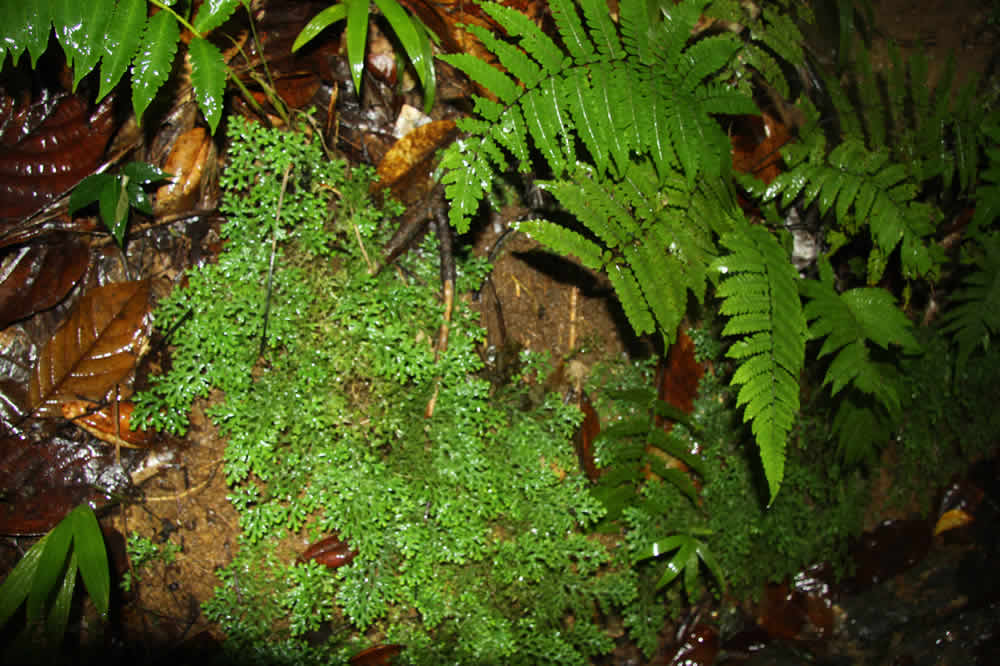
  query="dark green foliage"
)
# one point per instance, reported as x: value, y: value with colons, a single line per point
x: 975, y: 316
x: 119, y: 34
x: 116, y: 194
x: 45, y: 578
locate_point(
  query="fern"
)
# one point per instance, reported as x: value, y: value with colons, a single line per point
x: 976, y: 317
x: 622, y: 118
x: 849, y: 324
x: 760, y: 296
x: 866, y: 190
x: 119, y: 34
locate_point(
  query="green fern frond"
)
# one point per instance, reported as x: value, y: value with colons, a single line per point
x: 564, y: 241
x: 866, y: 189
x: 976, y: 317
x: 849, y: 323
x: 987, y: 195
x: 760, y: 298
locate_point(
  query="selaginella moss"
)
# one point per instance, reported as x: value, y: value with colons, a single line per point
x: 469, y: 525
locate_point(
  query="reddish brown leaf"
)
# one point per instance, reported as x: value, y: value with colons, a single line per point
x: 36, y: 277
x: 677, y: 381
x: 377, y: 655
x: 40, y: 483
x: 330, y: 552
x: 583, y: 441
x: 98, y: 346
x: 111, y: 423
x: 757, y: 142
x: 47, y: 147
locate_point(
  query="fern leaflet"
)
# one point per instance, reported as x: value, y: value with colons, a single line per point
x: 760, y: 297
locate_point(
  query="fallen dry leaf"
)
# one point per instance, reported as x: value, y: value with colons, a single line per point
x: 98, y: 346
x: 190, y: 161
x: 110, y: 423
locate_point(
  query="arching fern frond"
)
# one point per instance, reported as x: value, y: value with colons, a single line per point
x: 760, y: 297
x: 976, y: 317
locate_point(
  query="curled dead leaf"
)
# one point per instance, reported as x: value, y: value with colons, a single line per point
x: 377, y: 655
x: 111, y: 423
x: 190, y: 162
x: 406, y: 169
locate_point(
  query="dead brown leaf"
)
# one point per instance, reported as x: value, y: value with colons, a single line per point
x: 36, y: 277
x: 96, y: 349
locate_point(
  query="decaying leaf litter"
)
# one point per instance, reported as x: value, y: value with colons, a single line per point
x: 530, y: 302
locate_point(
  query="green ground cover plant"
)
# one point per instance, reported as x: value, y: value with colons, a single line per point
x: 470, y: 526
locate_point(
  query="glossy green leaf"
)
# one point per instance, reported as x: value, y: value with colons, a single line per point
x: 413, y: 36
x: 208, y: 76
x: 17, y: 585
x: 319, y: 23
x: 213, y: 13
x: 138, y: 198
x: 357, y: 38
x: 55, y: 625
x: 96, y: 20
x: 154, y: 60
x: 121, y: 42
x: 88, y: 190
x: 51, y: 566
x: 113, y: 204
x: 24, y: 25
x: 89, y: 549
x: 68, y: 20
x: 144, y: 173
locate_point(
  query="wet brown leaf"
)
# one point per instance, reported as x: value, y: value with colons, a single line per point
x: 40, y: 483
x: 190, y: 162
x: 98, y: 346
x: 330, y: 552
x: 36, y: 277
x: 584, y: 439
x: 110, y: 423
x: 377, y: 655
x: 406, y: 169
x: 47, y: 145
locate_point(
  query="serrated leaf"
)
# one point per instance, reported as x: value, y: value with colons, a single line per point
x: 153, y: 62
x: 121, y: 42
x: 208, y: 77
x: 212, y: 14
x: 92, y: 556
x: 564, y: 241
x: 24, y: 25
x: 67, y: 19
x: 96, y: 21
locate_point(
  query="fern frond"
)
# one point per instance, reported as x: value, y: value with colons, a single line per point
x: 760, y: 297
x: 564, y: 241
x: 849, y: 323
x: 976, y: 317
